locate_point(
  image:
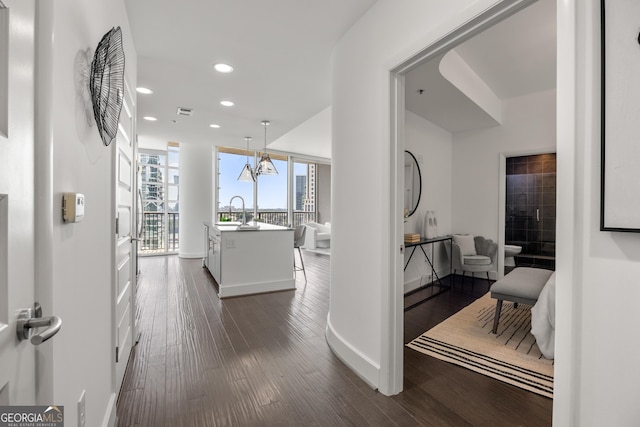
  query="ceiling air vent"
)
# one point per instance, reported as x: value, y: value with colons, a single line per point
x: 185, y: 111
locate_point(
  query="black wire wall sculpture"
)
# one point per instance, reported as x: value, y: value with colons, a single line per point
x: 106, y: 83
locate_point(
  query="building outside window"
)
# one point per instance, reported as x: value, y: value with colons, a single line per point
x: 272, y: 191
x: 305, y: 184
x: 272, y: 195
x: 159, y: 179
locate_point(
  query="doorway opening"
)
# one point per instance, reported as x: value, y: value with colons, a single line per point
x: 447, y: 221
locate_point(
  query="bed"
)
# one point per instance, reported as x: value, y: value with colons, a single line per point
x: 543, y: 318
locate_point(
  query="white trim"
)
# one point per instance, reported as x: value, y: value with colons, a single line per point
x: 290, y: 189
x: 43, y: 186
x: 392, y: 304
x: 256, y: 288
x: 110, y: 416
x: 391, y: 369
x: 187, y: 255
x: 364, y: 367
x: 305, y: 157
x: 153, y: 152
x: 414, y: 284
x: 571, y: 86
x: 310, y: 159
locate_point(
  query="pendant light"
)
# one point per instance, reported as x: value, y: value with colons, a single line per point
x: 265, y: 165
x: 247, y: 173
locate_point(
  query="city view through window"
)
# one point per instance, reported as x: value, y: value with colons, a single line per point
x: 159, y: 179
x: 159, y: 195
x: 272, y: 201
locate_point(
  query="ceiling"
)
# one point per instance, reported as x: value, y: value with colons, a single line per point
x: 280, y: 51
x: 513, y: 58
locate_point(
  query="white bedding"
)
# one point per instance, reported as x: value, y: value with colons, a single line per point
x: 543, y: 318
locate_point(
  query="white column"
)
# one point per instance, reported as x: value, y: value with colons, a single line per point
x: 196, y: 197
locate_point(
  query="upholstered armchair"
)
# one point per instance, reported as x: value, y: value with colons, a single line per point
x: 474, y: 254
x: 318, y: 235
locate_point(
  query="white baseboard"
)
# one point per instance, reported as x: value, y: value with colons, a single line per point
x: 256, y: 288
x: 417, y: 282
x: 493, y: 275
x: 110, y: 416
x: 190, y: 255
x: 411, y: 285
x: 364, y: 367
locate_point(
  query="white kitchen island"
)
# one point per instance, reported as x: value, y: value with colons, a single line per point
x: 244, y: 260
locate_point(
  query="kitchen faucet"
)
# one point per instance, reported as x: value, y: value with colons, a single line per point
x: 244, y: 214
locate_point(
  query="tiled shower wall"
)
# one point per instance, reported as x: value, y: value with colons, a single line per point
x: 531, y: 207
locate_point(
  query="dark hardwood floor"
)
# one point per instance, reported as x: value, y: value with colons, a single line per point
x: 263, y: 360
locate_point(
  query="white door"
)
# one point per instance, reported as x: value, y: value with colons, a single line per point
x: 17, y: 358
x: 125, y: 260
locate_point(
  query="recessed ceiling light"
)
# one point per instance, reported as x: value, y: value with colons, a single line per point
x: 227, y: 103
x: 144, y: 90
x: 213, y: 125
x: 149, y: 118
x: 223, y: 68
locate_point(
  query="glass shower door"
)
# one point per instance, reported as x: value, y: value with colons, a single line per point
x: 531, y: 209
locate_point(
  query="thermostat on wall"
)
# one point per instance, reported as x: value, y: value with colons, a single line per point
x: 72, y: 207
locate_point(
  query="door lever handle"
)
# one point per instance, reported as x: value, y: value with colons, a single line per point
x: 29, y: 319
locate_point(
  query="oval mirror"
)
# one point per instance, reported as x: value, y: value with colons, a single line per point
x: 412, y: 184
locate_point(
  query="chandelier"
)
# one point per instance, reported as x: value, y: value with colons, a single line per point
x: 247, y: 173
x: 265, y: 165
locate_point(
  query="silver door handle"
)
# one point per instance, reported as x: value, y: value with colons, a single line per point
x: 30, y: 318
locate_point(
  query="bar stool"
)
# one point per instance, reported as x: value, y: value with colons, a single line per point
x: 298, y: 240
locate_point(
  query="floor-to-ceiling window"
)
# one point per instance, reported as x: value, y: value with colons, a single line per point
x: 272, y: 194
x: 230, y: 163
x: 159, y: 179
x: 270, y: 199
x: 305, y: 185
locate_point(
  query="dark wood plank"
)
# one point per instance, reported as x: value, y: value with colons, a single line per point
x: 263, y: 360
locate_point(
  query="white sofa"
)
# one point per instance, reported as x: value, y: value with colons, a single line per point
x: 317, y: 235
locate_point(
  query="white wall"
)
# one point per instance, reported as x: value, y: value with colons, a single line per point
x: 434, y: 145
x: 196, y: 197
x: 391, y: 32
x: 82, y: 252
x: 528, y: 126
x: 149, y: 143
x: 598, y: 319
x: 312, y: 137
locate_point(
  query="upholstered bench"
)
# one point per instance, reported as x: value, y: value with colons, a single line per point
x: 521, y: 286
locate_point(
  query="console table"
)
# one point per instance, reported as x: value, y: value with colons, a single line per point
x: 420, y: 244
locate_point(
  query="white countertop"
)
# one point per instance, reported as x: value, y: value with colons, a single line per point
x: 263, y: 226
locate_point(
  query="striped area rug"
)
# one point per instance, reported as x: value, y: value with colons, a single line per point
x: 511, y: 355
